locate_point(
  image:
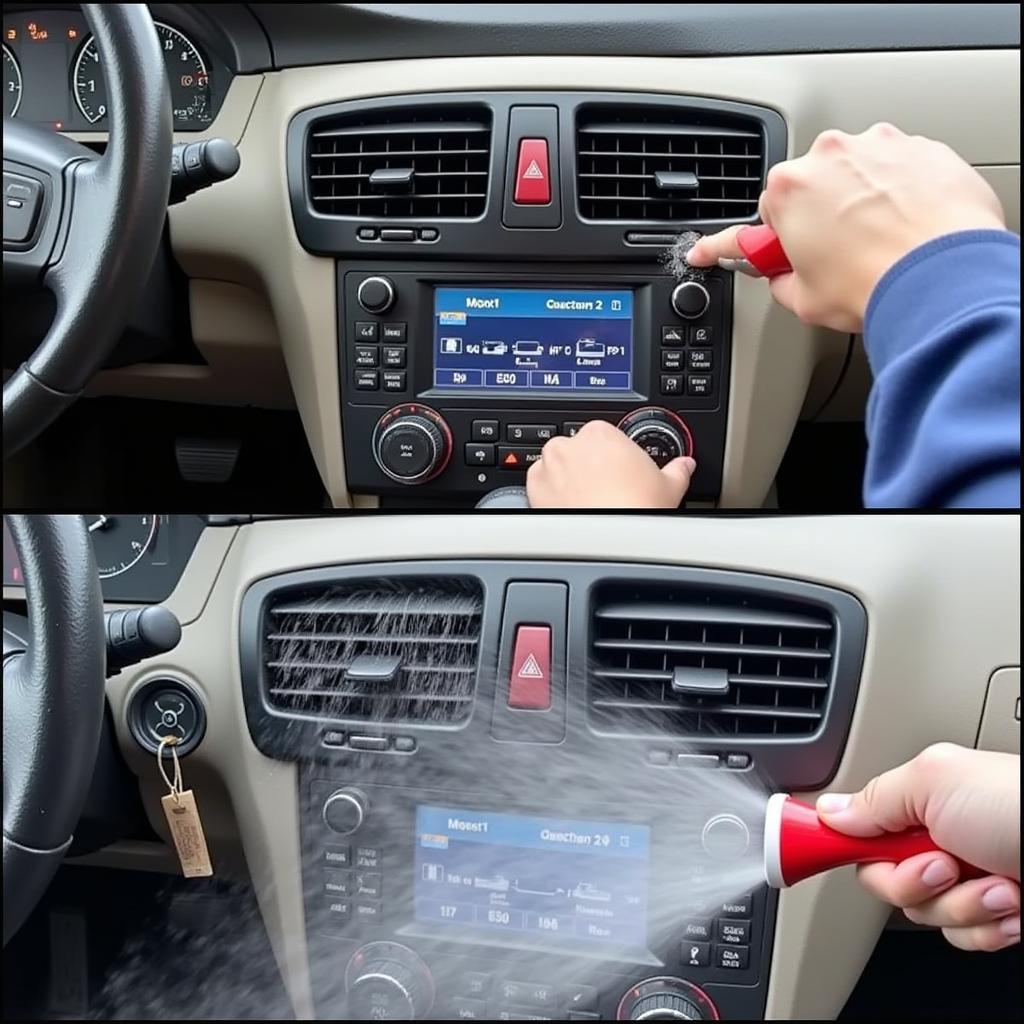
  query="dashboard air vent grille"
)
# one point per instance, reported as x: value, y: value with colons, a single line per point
x: 637, y: 163
x: 408, y: 162
x: 398, y: 650
x: 697, y: 661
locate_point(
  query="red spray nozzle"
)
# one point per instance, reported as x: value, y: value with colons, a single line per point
x: 798, y: 844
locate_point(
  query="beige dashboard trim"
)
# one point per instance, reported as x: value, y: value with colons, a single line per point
x: 242, y: 231
x: 927, y: 583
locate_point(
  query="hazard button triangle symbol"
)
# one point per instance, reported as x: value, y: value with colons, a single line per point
x: 530, y: 669
x: 533, y: 171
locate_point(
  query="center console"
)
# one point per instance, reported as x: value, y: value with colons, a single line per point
x: 453, y: 378
x: 535, y: 791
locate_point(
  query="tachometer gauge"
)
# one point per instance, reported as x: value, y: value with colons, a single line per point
x: 120, y: 541
x: 186, y: 71
x: 12, y: 83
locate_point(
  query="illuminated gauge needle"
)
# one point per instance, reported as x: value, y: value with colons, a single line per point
x: 100, y: 524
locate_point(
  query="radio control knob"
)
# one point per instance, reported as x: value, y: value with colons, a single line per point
x: 662, y: 434
x: 412, y: 444
x: 388, y: 981
x: 344, y: 811
x: 376, y: 294
x: 666, y: 999
x: 690, y: 300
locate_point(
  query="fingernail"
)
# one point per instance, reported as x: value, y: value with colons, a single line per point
x: 690, y: 464
x: 937, y: 873
x: 833, y: 803
x: 1010, y: 927
x: 999, y: 897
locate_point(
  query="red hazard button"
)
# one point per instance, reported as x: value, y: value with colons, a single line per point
x: 533, y: 180
x: 529, y: 685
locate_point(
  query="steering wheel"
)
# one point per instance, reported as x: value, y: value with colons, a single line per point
x: 87, y: 228
x: 53, y: 704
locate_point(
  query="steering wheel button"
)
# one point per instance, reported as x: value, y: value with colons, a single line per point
x: 21, y: 204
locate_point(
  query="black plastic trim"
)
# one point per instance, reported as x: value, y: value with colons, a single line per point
x: 304, y: 34
x: 794, y: 763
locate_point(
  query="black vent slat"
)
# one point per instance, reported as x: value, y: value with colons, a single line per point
x: 425, y: 630
x: 625, y: 154
x: 699, y: 647
x: 776, y: 655
x: 446, y: 148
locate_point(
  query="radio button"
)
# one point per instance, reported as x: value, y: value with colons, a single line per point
x: 337, y: 883
x: 393, y: 332
x: 527, y: 994
x: 339, y: 910
x: 365, y: 331
x: 485, y: 430
x: 672, y: 359
x: 367, y: 911
x: 469, y: 1009
x: 367, y: 857
x: 580, y: 997
x: 394, y: 380
x: 518, y: 1013
x: 573, y: 428
x: 366, y: 380
x: 671, y: 385
x: 700, y: 360
x: 696, y: 954
x: 367, y: 885
x: 519, y: 457
x: 742, y: 907
x: 476, y: 984
x: 699, y: 386
x: 366, y: 355
x: 702, y: 335
x: 697, y: 930
x: 673, y: 335
x: 394, y: 358
x: 530, y: 433
x: 337, y: 856
x: 481, y: 455
x: 733, y: 958
x: 735, y: 932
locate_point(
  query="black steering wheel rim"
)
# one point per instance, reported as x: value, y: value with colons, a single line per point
x: 53, y: 705
x: 99, y: 223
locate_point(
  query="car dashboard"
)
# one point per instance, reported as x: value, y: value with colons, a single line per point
x: 442, y: 252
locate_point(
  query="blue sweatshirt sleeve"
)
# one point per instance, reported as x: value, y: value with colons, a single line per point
x: 942, y: 334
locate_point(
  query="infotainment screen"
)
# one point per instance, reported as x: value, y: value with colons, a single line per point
x: 554, y: 877
x: 533, y: 339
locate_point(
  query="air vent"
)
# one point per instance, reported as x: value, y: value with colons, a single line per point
x: 401, y: 650
x: 637, y: 164
x: 411, y: 162
x: 708, y: 662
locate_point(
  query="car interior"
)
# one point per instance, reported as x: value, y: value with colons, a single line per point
x: 365, y: 754
x: 379, y: 254
x: 377, y: 715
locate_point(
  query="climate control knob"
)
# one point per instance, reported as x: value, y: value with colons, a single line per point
x: 412, y: 444
x: 376, y: 294
x: 344, y: 811
x: 690, y: 300
x: 388, y: 981
x: 666, y: 999
x: 662, y: 434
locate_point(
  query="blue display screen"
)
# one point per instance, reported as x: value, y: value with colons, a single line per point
x: 532, y: 339
x: 549, y: 877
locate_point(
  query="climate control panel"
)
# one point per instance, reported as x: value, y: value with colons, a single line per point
x: 452, y: 379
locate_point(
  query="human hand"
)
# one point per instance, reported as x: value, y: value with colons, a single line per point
x: 602, y: 468
x: 969, y: 800
x: 850, y: 209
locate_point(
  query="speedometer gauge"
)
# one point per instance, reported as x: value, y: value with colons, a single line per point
x: 119, y: 542
x: 12, y: 83
x: 186, y: 71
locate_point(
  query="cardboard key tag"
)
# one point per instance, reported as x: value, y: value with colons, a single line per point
x: 183, y: 819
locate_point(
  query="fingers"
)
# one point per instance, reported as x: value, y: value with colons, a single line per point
x: 985, y: 938
x: 707, y: 251
x: 894, y: 800
x: 678, y: 473
x: 979, y: 901
x: 915, y: 881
